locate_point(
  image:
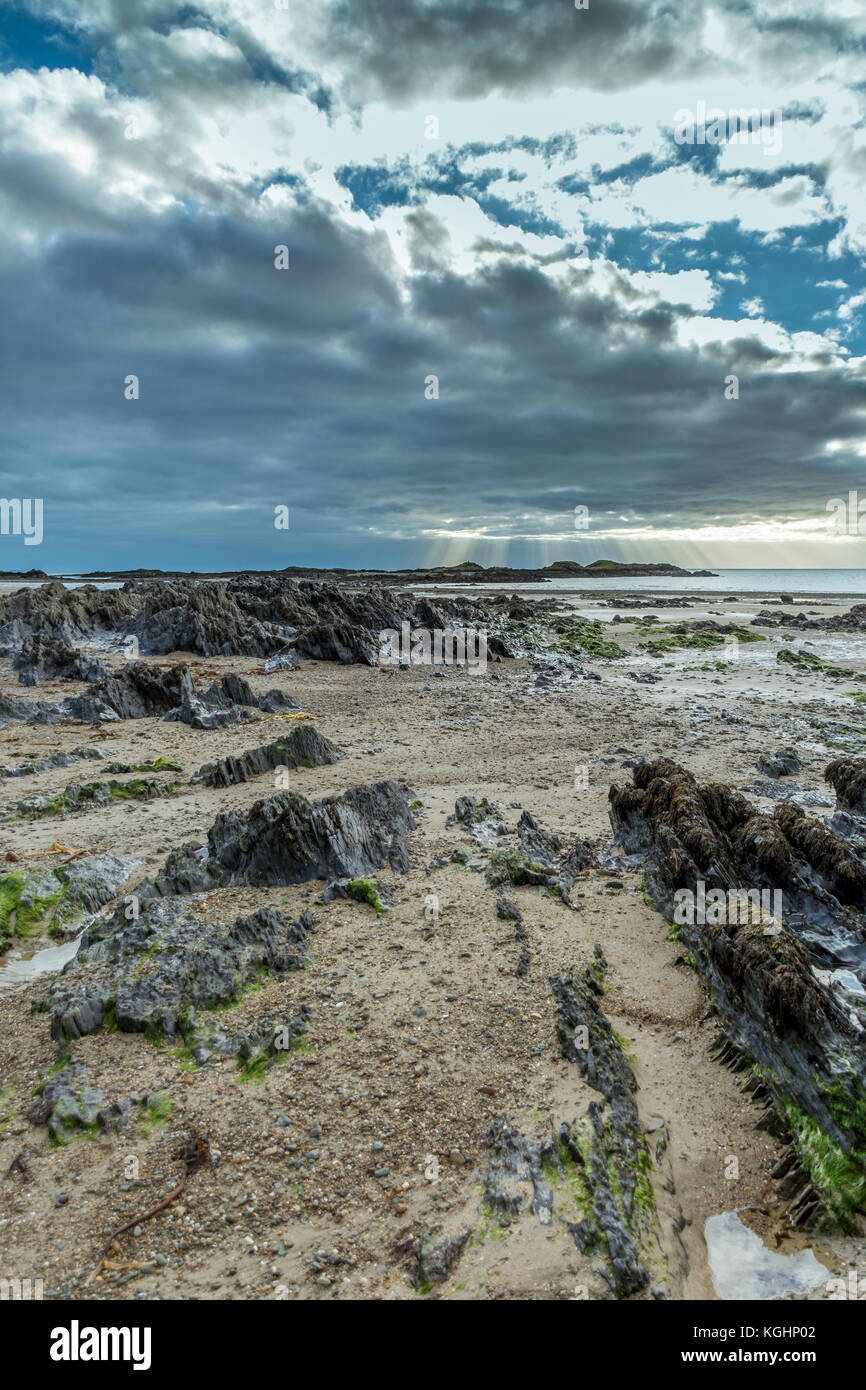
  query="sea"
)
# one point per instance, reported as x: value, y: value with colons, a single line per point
x: 799, y: 583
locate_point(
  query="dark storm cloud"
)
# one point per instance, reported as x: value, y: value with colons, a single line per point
x: 471, y: 48
x: 815, y: 30
x: 306, y: 388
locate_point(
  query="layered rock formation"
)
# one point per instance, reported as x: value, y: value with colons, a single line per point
x: 154, y: 960
x: 802, y: 1038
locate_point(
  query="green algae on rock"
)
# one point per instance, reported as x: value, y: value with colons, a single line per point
x: 808, y: 661
x: 36, y: 899
x: 303, y: 747
x: 794, y: 1032
x: 81, y: 796
x: 586, y: 636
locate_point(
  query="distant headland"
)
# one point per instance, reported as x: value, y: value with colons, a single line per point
x: 467, y: 572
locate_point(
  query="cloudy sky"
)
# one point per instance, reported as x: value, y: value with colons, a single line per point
x: 509, y: 198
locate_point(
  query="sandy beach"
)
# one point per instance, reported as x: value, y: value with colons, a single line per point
x: 432, y: 1020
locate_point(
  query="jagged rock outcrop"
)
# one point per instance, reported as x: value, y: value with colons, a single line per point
x: 28, y: 712
x: 264, y: 615
x: 186, y: 616
x: 516, y: 1180
x: 283, y: 661
x: 783, y: 763
x: 798, y: 1034
x: 93, y: 882
x: 36, y: 899
x: 288, y: 839
x: 85, y: 796
x: 338, y: 642
x: 541, y: 858
x: 303, y: 747
x: 67, y: 615
x: 469, y: 811
x: 66, y: 1104
x: 136, y: 691
x: 601, y: 1158
x: 717, y: 836
x: 225, y: 702
x: 847, y: 777
x: 509, y: 913
x: 250, y: 615
x: 284, y: 839
x: 234, y: 690
x: 142, y: 689
x: 607, y: 1146
x: 256, y: 1044
x: 426, y: 1260
x: 852, y: 621
x: 152, y: 972
x: 44, y: 658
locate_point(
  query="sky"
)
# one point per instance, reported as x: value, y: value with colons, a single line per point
x: 407, y: 282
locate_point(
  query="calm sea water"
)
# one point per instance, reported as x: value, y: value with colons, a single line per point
x: 798, y: 583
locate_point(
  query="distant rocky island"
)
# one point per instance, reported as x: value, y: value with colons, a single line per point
x: 467, y: 572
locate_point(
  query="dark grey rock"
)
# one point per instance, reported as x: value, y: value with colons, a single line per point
x: 154, y: 971
x: 88, y: 752
x: 607, y: 1146
x: 288, y: 839
x: 772, y: 1007
x: 783, y: 763
x: 303, y: 747
x: 428, y: 1261
x: 42, y: 658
